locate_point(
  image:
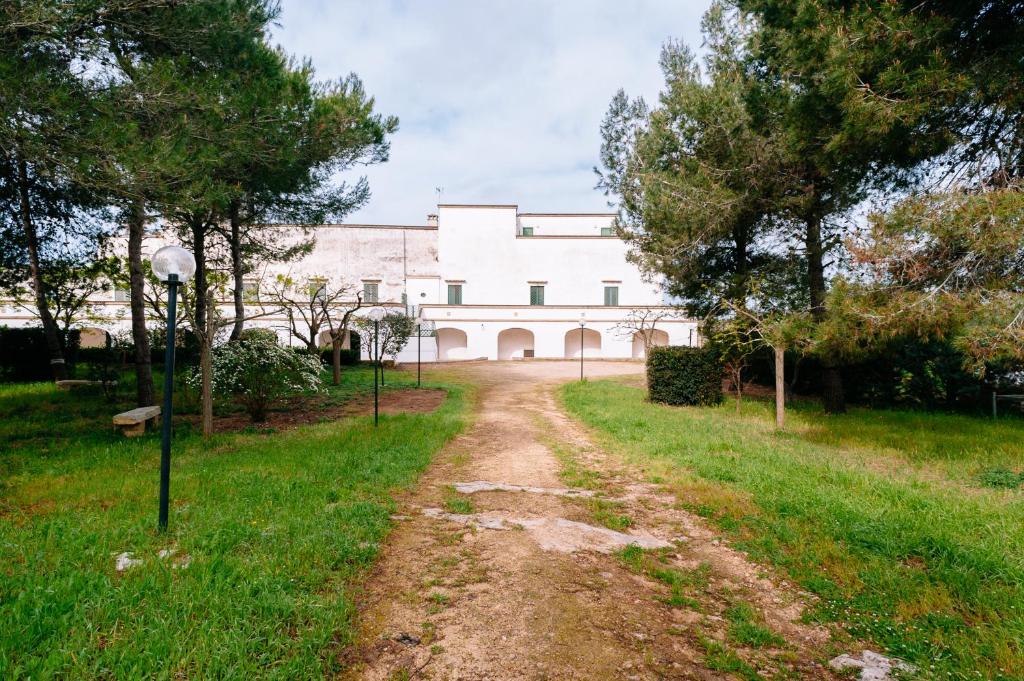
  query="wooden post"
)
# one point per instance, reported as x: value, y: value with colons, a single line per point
x: 780, y: 387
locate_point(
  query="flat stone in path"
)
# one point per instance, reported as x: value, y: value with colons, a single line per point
x: 484, y: 486
x: 554, y: 534
x: 873, y: 666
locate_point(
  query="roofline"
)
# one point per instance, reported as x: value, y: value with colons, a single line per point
x: 569, y: 215
x: 478, y: 205
x: 339, y: 225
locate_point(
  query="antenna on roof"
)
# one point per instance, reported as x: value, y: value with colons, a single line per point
x: 440, y: 191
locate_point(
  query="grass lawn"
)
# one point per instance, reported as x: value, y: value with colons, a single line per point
x: 277, y: 527
x: 909, y: 526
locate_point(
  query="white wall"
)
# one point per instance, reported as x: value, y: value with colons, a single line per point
x: 480, y: 248
x: 479, y: 245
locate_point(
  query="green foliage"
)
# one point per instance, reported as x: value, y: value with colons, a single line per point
x: 278, y: 527
x: 258, y: 372
x: 683, y: 375
x: 25, y: 357
x: 905, y: 372
x: 393, y: 333
x: 695, y: 178
x: 1001, y: 477
x: 877, y: 512
x: 348, y: 357
x: 746, y: 629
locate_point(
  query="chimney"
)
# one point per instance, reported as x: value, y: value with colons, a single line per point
x: 432, y: 220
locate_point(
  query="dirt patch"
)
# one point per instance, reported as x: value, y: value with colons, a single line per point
x: 319, y: 409
x: 484, y: 486
x: 529, y: 585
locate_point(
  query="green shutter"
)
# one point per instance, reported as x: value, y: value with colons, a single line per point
x: 370, y: 293
x: 527, y: 231
x: 455, y: 294
x: 536, y: 295
x: 611, y: 296
x: 607, y: 231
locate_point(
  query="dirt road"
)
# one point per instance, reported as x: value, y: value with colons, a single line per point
x: 507, y: 563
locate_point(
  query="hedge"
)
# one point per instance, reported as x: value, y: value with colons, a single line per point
x: 684, y: 375
x: 348, y: 357
x: 25, y: 357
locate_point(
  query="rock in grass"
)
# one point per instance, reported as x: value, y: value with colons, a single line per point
x: 873, y: 666
x: 126, y: 560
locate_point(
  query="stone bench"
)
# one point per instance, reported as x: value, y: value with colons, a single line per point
x: 70, y: 383
x: 133, y: 423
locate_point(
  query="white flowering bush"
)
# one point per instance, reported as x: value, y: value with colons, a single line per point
x: 258, y: 372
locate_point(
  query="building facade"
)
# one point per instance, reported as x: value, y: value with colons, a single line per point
x: 487, y: 281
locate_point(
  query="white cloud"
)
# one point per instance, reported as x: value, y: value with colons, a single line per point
x: 499, y: 102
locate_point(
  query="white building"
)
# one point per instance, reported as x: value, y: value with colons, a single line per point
x: 494, y: 283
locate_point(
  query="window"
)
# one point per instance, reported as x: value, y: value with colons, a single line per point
x: 527, y: 231
x: 122, y: 295
x: 536, y: 295
x: 455, y: 294
x: 318, y: 288
x: 250, y: 289
x: 611, y: 296
x: 370, y: 289
x: 607, y: 231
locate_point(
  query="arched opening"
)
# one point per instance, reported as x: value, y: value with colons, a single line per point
x: 515, y: 344
x: 350, y: 341
x: 92, y: 337
x: 658, y: 338
x: 591, y: 343
x: 451, y: 344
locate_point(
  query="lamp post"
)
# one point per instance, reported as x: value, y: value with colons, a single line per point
x: 583, y: 324
x: 419, y: 343
x: 174, y: 266
x: 375, y: 315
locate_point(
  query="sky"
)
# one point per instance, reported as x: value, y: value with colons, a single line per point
x: 498, y: 101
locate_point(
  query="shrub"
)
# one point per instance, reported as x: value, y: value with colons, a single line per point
x: 348, y: 357
x: 25, y: 357
x: 682, y: 375
x: 258, y: 372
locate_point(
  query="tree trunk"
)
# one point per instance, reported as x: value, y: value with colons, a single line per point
x: 832, y: 394
x: 144, y: 390
x: 737, y: 381
x: 237, y: 271
x: 199, y: 251
x: 204, y: 317
x: 832, y: 381
x: 206, y: 369
x: 336, y: 359
x: 53, y: 343
x: 780, y: 387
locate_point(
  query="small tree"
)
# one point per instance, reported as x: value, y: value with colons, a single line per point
x: 69, y: 286
x: 394, y: 332
x: 731, y: 341
x: 313, y: 303
x: 259, y: 372
x: 642, y: 321
x: 779, y: 331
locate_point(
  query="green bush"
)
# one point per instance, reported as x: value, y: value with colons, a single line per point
x: 682, y: 375
x: 348, y: 357
x: 25, y: 357
x: 258, y: 372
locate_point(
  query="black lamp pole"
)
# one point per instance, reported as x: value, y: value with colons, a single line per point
x: 165, y: 425
x: 376, y: 391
